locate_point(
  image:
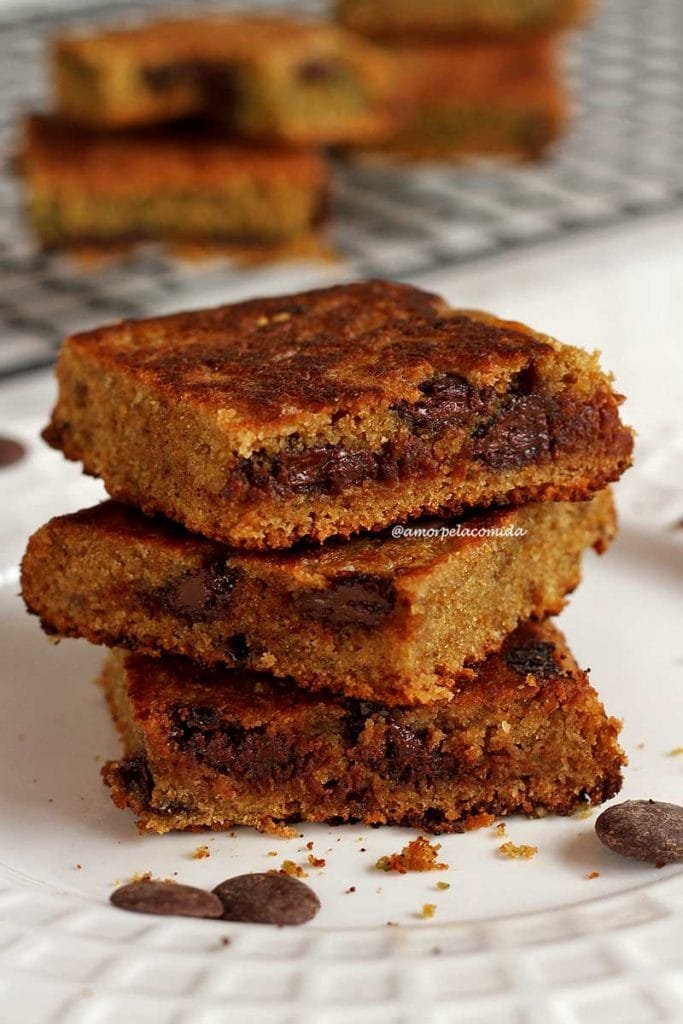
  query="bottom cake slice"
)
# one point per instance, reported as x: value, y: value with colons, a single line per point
x: 213, y: 748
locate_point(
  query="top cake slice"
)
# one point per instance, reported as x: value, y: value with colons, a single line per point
x: 266, y: 78
x: 332, y: 411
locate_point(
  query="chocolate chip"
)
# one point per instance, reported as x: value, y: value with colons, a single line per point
x: 517, y: 437
x: 353, y: 599
x: 644, y: 829
x: 265, y: 898
x: 534, y: 658
x: 136, y: 778
x: 199, y: 595
x: 317, y: 70
x: 168, y: 899
x: 331, y: 468
x: 161, y: 77
x: 448, y: 400
x: 10, y: 451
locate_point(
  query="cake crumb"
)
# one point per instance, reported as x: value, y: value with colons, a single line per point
x: 309, y: 844
x: 79, y: 867
x: 392, y: 924
x: 676, y: 752
x: 443, y: 885
x: 351, y: 888
x: 518, y: 852
x: 225, y: 940
x: 288, y: 867
x: 500, y: 829
x: 418, y: 855
x: 316, y: 862
x: 583, y: 813
x: 144, y: 876
x: 201, y: 852
x: 593, y: 874
x: 428, y: 910
x: 271, y: 853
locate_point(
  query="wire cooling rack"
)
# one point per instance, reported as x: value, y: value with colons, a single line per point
x: 623, y: 158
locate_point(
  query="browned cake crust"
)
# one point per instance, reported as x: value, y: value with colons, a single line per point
x: 86, y: 187
x: 472, y: 99
x: 333, y: 411
x: 458, y: 20
x: 212, y: 749
x: 380, y: 618
x: 268, y: 78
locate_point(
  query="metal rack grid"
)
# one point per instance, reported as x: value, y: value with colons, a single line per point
x: 623, y: 158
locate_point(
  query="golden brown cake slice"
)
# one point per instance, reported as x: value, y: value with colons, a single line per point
x: 170, y: 186
x: 333, y: 411
x: 391, y: 619
x: 267, y: 78
x: 216, y: 748
x: 461, y: 19
x: 475, y: 99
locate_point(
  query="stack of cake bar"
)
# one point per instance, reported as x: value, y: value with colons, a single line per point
x: 340, y: 521
x: 477, y: 77
x: 215, y: 130
x: 206, y: 130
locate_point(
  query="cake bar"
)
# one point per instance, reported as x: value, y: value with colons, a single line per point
x: 390, y: 619
x: 333, y: 411
x: 84, y: 187
x: 214, y: 749
x: 476, y: 99
x: 266, y: 78
x: 461, y: 19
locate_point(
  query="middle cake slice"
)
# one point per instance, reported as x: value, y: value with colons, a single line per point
x: 394, y: 617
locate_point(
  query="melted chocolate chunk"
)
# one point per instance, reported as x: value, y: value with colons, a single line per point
x: 161, y: 77
x: 534, y: 658
x: 448, y: 400
x: 401, y: 460
x: 330, y: 469
x: 407, y: 755
x: 355, y: 719
x: 517, y: 437
x: 237, y: 650
x: 199, y: 595
x: 354, y: 599
x: 261, y: 757
x: 267, y: 898
x: 136, y: 779
x: 314, y: 71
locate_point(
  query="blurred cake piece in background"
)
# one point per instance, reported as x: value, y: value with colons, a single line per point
x: 456, y: 20
x: 90, y: 188
x: 477, y: 99
x: 265, y: 78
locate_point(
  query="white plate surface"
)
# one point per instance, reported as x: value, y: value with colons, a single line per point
x: 511, y: 940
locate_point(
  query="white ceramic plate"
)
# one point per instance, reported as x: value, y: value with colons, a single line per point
x: 511, y: 941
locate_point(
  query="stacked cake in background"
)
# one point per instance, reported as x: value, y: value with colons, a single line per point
x: 317, y: 649
x: 475, y: 77
x: 206, y: 130
x: 215, y: 131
